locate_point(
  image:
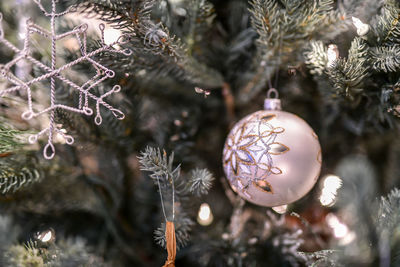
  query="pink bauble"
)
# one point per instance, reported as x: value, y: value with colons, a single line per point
x: 272, y: 158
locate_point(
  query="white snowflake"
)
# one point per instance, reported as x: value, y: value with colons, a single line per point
x: 53, y: 72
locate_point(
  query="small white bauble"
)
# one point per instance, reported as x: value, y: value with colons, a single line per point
x: 272, y: 157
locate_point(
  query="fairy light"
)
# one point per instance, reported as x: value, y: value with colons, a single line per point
x: 362, y: 28
x: 333, y: 54
x: 58, y: 138
x: 46, y: 236
x: 331, y: 183
x: 111, y: 35
x: 340, y: 230
x: 205, y: 216
x: 280, y: 209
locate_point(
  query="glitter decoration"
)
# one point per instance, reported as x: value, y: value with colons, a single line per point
x: 54, y: 73
x: 249, y: 149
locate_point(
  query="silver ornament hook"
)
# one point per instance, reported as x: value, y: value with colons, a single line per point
x: 272, y: 91
x: 272, y: 102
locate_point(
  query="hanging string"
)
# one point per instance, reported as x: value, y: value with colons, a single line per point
x: 162, y: 200
x: 272, y: 89
x: 169, y: 226
x: 173, y: 200
x: 270, y: 84
x: 279, y: 63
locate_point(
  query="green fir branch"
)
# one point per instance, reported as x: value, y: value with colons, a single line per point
x: 316, y: 57
x: 66, y: 252
x: 159, y: 164
x: 289, y: 27
x: 161, y: 168
x: 389, y: 212
x: 386, y: 59
x: 200, y: 15
x: 347, y: 76
x: 285, y: 27
x: 322, y: 258
x: 200, y: 182
x: 24, y: 255
x: 183, y: 226
x: 387, y: 27
x: 15, y: 174
x: 154, y: 48
x: 10, y: 139
x: 120, y: 13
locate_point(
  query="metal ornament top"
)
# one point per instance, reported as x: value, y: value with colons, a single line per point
x: 272, y: 103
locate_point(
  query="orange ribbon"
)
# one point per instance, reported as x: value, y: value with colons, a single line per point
x: 171, y: 244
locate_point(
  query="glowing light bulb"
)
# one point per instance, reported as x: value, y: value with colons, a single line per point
x: 205, y: 216
x: 327, y: 199
x: 111, y: 35
x: 362, y: 28
x: 329, y: 189
x: 332, y: 181
x: 340, y: 230
x: 280, y: 209
x: 347, y: 239
x: 333, y: 54
x: 22, y: 35
x: 46, y: 236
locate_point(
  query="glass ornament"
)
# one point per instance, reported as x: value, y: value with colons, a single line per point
x: 272, y: 157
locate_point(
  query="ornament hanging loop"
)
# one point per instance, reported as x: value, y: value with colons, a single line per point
x: 272, y: 102
x: 272, y: 92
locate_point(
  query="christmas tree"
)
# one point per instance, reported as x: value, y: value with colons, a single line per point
x: 115, y: 142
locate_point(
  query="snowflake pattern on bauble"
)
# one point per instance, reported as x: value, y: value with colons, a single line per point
x: 248, y: 152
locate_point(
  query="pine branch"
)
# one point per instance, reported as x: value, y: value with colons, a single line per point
x: 119, y: 13
x: 200, y: 14
x: 316, y: 57
x: 74, y: 251
x: 200, y: 182
x: 386, y: 59
x: 387, y: 27
x: 288, y: 28
x: 367, y: 57
x: 348, y: 75
x: 69, y: 252
x: 23, y: 255
x: 284, y: 29
x: 389, y: 212
x: 363, y: 9
x: 183, y: 226
x: 18, y: 173
x: 322, y: 258
x: 77, y: 125
x: 160, y: 166
x: 154, y: 48
x: 10, y: 139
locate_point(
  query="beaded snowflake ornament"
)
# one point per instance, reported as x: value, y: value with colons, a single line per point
x: 54, y: 73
